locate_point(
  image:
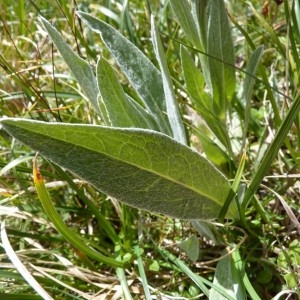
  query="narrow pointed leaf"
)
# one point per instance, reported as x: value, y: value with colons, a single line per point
x: 141, y: 73
x: 194, y: 80
x: 248, y: 86
x: 212, y: 151
x: 142, y: 168
x: 199, y: 12
x: 172, y: 107
x: 148, y: 119
x: 120, y: 109
x: 220, y: 46
x: 251, y: 71
x: 81, y: 70
x: 182, y: 11
x: 208, y: 230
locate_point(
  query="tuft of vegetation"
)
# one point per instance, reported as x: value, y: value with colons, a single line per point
x: 150, y: 150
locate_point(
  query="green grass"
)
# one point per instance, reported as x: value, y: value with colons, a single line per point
x: 260, y: 252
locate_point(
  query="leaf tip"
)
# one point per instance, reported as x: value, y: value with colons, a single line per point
x: 37, y: 176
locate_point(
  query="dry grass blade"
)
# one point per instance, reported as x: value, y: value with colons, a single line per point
x: 20, y: 266
x: 70, y: 288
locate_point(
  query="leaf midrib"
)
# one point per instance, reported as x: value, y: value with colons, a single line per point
x: 130, y: 163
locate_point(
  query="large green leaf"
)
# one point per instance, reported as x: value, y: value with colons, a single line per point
x: 141, y: 73
x: 142, y: 168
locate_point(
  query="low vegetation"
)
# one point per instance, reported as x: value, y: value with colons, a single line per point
x: 150, y: 150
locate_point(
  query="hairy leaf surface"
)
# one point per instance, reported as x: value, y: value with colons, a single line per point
x: 80, y: 68
x: 142, y: 74
x: 140, y: 167
x: 121, y: 110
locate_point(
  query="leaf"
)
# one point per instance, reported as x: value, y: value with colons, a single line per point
x: 208, y: 230
x: 203, y: 102
x: 81, y: 69
x: 208, y: 29
x: 248, y: 86
x: 212, y: 150
x: 142, y: 168
x: 228, y: 276
x: 141, y: 73
x: 243, y: 282
x: 121, y: 110
x: 200, y: 16
x: 221, y: 56
x: 251, y: 71
x: 182, y: 11
x: 193, y: 79
x: 172, y: 107
x: 191, y: 247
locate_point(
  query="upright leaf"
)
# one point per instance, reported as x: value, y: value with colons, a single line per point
x: 195, y: 87
x: 248, y: 86
x: 228, y: 277
x: 221, y: 56
x: 202, y: 100
x: 142, y: 168
x: 141, y: 73
x: 172, y: 107
x: 119, y: 108
x: 81, y: 69
x: 182, y: 11
x: 199, y: 14
x: 194, y: 80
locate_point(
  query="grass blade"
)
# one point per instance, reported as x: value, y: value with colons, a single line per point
x: 14, y: 163
x: 55, y: 218
x: 271, y: 152
x: 198, y: 280
x: 125, y: 288
x: 138, y: 252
